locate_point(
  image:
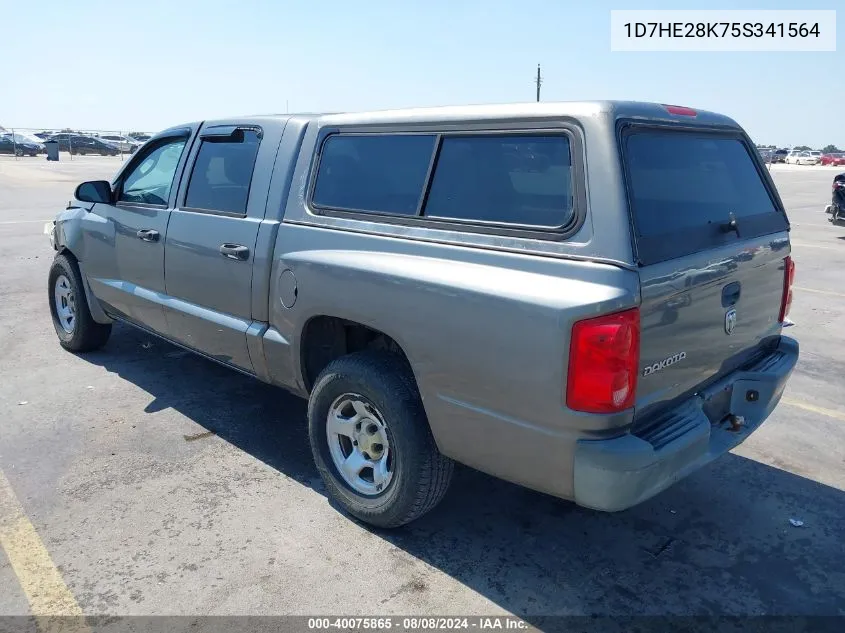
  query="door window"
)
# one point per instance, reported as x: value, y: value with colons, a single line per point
x: 222, y: 173
x: 151, y: 178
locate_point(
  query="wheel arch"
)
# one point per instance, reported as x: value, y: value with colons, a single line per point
x: 97, y: 313
x: 324, y: 338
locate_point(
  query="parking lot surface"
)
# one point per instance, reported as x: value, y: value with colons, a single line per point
x: 160, y: 483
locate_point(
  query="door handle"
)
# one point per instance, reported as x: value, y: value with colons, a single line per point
x: 234, y: 251
x: 148, y: 235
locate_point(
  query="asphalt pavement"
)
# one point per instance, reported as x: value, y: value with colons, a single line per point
x: 160, y: 483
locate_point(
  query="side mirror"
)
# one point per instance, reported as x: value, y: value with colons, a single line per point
x: 94, y: 191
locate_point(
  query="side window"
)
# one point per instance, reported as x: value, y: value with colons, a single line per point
x: 520, y: 179
x: 381, y: 173
x: 150, y: 180
x: 222, y: 173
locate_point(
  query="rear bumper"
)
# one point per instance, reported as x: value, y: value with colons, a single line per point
x: 618, y: 473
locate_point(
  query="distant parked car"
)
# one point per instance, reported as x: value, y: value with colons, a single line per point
x: 28, y: 139
x: 62, y: 138
x: 9, y: 145
x: 779, y: 156
x: 141, y: 138
x: 833, y: 158
x: 803, y: 157
x: 766, y: 154
x: 123, y: 143
x: 82, y: 144
x: 817, y: 156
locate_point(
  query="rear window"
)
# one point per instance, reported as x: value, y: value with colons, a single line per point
x: 686, y: 187
x: 511, y: 179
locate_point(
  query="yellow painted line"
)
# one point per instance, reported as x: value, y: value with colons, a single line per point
x: 836, y: 415
x: 821, y: 292
x: 42, y: 583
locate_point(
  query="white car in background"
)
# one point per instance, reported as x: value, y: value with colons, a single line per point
x: 817, y: 156
x: 802, y: 157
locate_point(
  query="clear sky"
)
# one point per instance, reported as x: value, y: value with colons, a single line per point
x: 117, y: 64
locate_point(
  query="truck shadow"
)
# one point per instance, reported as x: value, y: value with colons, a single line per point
x: 718, y: 543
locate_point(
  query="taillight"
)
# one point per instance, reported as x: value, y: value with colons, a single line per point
x: 788, y: 278
x: 681, y: 110
x: 604, y: 355
x: 838, y: 184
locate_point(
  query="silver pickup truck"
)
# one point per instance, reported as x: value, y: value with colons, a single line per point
x: 586, y: 299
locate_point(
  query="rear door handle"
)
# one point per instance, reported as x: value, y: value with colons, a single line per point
x: 234, y: 251
x: 148, y: 235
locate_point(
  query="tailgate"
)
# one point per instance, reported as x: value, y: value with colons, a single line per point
x: 710, y: 236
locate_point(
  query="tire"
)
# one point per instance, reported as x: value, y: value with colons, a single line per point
x: 419, y: 474
x: 84, y: 334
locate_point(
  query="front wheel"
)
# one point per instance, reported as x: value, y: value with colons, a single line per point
x: 76, y: 328
x: 371, y: 440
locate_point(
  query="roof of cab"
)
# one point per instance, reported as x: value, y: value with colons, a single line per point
x: 542, y: 110
x: 497, y: 112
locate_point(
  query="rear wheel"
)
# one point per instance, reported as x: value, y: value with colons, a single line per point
x: 76, y: 328
x: 371, y: 440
